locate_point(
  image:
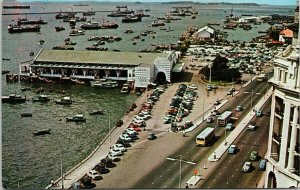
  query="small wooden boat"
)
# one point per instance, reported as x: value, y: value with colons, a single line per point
x: 41, y: 98
x: 26, y: 114
x: 97, y: 112
x: 43, y: 132
x: 76, y: 118
x: 64, y: 101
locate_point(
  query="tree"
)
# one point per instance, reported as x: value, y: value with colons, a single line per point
x: 220, y: 70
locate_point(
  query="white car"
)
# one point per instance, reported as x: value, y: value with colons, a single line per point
x: 246, y: 167
x: 193, y: 87
x: 115, y: 152
x: 118, y: 148
x: 94, y: 175
x: 251, y: 127
x: 145, y: 112
x: 125, y: 137
x: 143, y: 116
x: 113, y: 158
x: 130, y: 131
x: 137, y: 118
x: 209, y: 119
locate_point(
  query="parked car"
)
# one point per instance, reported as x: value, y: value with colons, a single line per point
x: 113, y: 158
x: 108, y: 162
x: 135, y: 128
x: 232, y: 149
x: 119, y: 147
x: 251, y: 127
x: 101, y: 168
x: 115, y: 152
x: 94, y: 175
x: 239, y: 108
x: 209, y: 119
x: 151, y: 136
x: 193, y: 87
x: 125, y: 137
x: 262, y: 165
x: 208, y: 88
x: 246, y: 167
x: 253, y: 155
x: 131, y: 131
x: 229, y: 126
x: 217, y: 102
x: 258, y: 113
x: 126, y: 144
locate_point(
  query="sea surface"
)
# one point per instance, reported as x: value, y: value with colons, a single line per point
x: 32, y: 162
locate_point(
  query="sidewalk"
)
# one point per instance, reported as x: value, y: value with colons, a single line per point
x: 236, y: 132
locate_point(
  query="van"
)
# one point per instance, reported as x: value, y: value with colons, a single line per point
x: 262, y: 165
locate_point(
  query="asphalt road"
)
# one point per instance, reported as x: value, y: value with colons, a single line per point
x: 166, y: 175
x: 228, y: 173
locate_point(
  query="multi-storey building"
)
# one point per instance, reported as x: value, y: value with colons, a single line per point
x: 283, y: 153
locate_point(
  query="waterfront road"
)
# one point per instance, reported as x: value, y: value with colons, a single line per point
x: 226, y: 171
x: 166, y: 174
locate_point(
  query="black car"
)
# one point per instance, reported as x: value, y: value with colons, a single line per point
x: 151, y: 136
x: 101, y: 168
x: 108, y: 163
x: 124, y: 143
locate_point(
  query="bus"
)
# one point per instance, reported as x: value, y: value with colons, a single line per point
x: 261, y: 78
x: 224, y: 118
x: 205, y: 137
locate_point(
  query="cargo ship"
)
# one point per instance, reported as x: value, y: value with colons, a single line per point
x: 19, y: 29
x: 26, y: 21
x: 16, y: 7
x: 129, y: 18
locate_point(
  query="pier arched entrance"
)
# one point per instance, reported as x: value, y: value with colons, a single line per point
x: 272, y: 180
x: 161, y: 78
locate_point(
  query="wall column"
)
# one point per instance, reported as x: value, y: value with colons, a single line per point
x: 118, y: 73
x: 52, y: 71
x: 269, y: 151
x: 106, y: 72
x: 84, y: 72
x: 285, y: 132
x: 290, y: 166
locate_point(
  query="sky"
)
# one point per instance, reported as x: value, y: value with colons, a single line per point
x: 270, y: 2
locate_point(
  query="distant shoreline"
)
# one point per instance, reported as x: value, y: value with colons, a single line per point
x: 141, y: 2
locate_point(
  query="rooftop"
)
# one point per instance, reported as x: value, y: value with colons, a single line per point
x: 287, y: 33
x: 97, y: 57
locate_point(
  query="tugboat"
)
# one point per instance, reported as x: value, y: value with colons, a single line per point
x: 64, y: 101
x: 13, y: 98
x: 18, y: 29
x: 76, y: 118
x: 41, y: 98
x: 128, y: 31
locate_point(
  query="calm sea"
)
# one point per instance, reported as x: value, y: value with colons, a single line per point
x: 31, y: 162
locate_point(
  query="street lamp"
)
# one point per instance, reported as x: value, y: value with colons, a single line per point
x: 109, y: 130
x: 180, y: 160
x: 225, y: 137
x: 210, y: 73
x: 61, y: 172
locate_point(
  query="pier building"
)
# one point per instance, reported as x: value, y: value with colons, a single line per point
x: 283, y: 154
x: 141, y: 68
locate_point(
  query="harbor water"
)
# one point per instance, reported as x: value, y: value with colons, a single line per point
x: 32, y: 162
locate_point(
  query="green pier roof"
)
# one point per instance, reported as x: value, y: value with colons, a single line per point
x: 97, y: 57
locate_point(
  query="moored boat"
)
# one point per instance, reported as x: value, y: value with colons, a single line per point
x: 156, y: 23
x: 13, y: 98
x: 130, y: 18
x: 76, y: 118
x: 108, y: 25
x: 41, y: 98
x: 42, y: 132
x: 26, y: 21
x: 59, y: 28
x: 18, y: 29
x: 96, y: 112
x: 125, y: 89
x: 104, y: 83
x: 64, y: 101
x: 26, y: 114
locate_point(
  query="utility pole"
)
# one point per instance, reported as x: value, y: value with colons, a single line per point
x: 180, y: 161
x: 61, y: 171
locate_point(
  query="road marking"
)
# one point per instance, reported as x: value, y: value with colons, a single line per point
x: 168, y: 169
x: 165, y: 186
x: 173, y: 178
x: 187, y: 152
x: 214, y: 179
x: 227, y: 182
x: 232, y: 175
x: 153, y: 182
x: 160, y: 176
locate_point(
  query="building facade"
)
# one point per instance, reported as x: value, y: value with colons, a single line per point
x: 283, y: 152
x: 142, y: 68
